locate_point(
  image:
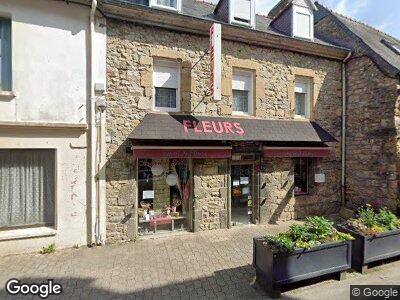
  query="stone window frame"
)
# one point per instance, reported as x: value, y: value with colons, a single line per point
x: 227, y: 77
x: 186, y: 83
x: 315, y: 87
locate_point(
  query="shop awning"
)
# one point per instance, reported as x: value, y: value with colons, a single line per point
x: 296, y: 151
x: 171, y: 127
x: 181, y: 152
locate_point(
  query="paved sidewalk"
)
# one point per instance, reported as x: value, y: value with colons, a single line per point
x: 208, y: 265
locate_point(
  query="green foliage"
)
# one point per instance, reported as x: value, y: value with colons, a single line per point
x: 371, y: 223
x: 281, y: 242
x: 368, y: 217
x: 387, y: 219
x: 49, y: 249
x: 315, y: 231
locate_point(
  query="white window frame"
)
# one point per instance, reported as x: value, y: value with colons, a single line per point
x: 249, y: 74
x: 252, y: 20
x: 305, y: 11
x: 307, y: 82
x: 170, y: 64
x: 153, y: 3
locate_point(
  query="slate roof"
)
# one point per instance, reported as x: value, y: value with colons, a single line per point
x: 170, y: 127
x: 375, y: 42
x: 205, y: 10
x: 281, y: 6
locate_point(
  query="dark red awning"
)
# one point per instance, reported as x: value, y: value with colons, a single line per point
x: 181, y: 152
x: 296, y: 151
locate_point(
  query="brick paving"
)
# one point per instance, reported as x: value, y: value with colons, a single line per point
x: 207, y: 265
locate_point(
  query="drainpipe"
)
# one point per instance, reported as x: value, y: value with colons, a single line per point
x: 92, y: 127
x: 344, y: 109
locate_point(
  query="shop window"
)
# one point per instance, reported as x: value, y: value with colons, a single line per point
x: 27, y: 184
x: 164, y: 187
x: 166, y: 80
x: 166, y: 4
x: 5, y: 55
x: 301, y: 176
x: 242, y: 92
x: 302, y: 98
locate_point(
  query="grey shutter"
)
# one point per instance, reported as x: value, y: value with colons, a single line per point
x: 5, y: 36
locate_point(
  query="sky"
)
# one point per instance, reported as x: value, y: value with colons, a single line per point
x: 381, y: 14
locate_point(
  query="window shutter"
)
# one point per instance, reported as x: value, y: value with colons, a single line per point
x: 242, y: 9
x: 303, y: 25
x: 166, y: 75
x: 241, y: 82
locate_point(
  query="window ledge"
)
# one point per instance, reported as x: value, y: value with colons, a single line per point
x: 7, y: 95
x: 26, y: 233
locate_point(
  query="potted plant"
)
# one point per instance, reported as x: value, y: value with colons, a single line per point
x: 305, y: 251
x: 376, y: 236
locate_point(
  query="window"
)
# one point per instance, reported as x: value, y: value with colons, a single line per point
x: 5, y: 55
x: 167, y: 4
x: 302, y: 98
x: 301, y: 175
x: 396, y: 48
x: 243, y: 12
x: 242, y: 93
x: 27, y: 184
x: 164, y: 187
x: 303, y: 22
x: 166, y: 81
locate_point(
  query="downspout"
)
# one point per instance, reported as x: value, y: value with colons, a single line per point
x: 92, y: 127
x: 344, y: 109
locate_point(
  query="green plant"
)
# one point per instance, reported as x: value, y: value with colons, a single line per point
x: 315, y: 231
x: 387, y: 219
x: 368, y: 216
x: 371, y: 223
x: 49, y: 249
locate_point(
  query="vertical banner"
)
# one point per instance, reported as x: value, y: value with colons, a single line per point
x: 215, y: 61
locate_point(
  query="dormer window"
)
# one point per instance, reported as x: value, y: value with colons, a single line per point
x: 174, y: 5
x: 242, y: 12
x: 303, y: 22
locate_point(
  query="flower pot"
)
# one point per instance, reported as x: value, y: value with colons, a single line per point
x: 275, y: 269
x: 372, y: 248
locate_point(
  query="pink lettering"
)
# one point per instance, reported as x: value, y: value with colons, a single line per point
x: 220, y: 128
x: 186, y: 125
x: 207, y: 127
x: 196, y: 129
x: 239, y: 129
x: 228, y: 127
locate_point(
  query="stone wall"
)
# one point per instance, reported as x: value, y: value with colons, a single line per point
x: 373, y: 126
x: 210, y: 194
x: 131, y: 50
x: 277, y: 198
x: 372, y: 152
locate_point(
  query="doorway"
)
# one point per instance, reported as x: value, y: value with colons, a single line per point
x: 242, y: 198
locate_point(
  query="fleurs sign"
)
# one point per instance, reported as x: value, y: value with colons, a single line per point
x: 213, y: 127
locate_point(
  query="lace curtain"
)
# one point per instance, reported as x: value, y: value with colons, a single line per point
x: 27, y: 187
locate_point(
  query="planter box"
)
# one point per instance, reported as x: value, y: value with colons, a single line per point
x: 274, y: 269
x: 372, y: 248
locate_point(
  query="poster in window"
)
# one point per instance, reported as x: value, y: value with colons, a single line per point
x: 236, y: 183
x: 244, y: 180
x: 148, y: 194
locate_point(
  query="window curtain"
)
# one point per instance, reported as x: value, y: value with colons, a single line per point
x: 171, y: 3
x: 27, y: 187
x: 5, y: 55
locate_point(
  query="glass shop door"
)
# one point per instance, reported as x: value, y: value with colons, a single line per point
x: 242, y: 198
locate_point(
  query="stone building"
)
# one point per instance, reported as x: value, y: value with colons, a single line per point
x: 372, y: 128
x: 269, y: 150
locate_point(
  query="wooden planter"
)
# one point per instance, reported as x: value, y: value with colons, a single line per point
x: 275, y: 269
x: 372, y: 248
